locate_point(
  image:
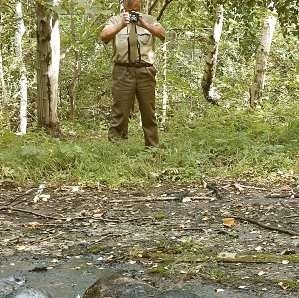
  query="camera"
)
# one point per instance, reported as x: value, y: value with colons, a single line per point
x: 134, y: 16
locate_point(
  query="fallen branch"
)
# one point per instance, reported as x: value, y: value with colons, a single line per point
x: 192, y: 229
x: 215, y: 190
x: 247, y: 261
x: 291, y: 216
x: 239, y: 186
x: 8, y: 208
x: 283, y: 196
x: 137, y: 219
x: 67, y: 219
x: 268, y: 227
x: 91, y: 217
x: 166, y: 199
x: 18, y: 199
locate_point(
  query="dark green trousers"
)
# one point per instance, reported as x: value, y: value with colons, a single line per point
x: 128, y: 82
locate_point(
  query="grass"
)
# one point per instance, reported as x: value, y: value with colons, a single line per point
x: 214, y: 143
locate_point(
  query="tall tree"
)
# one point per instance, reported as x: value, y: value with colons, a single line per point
x: 165, y: 90
x: 211, y: 59
x: 23, y: 82
x: 258, y: 84
x: 2, y: 80
x: 48, y: 49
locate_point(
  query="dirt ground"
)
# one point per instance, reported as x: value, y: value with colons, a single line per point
x: 234, y: 234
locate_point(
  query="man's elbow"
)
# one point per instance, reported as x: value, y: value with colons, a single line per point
x: 162, y: 35
x: 104, y: 37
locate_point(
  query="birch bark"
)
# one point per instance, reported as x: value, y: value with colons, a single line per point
x: 165, y: 89
x: 258, y: 85
x: 4, y: 93
x: 48, y: 49
x: 207, y: 82
x: 23, y: 82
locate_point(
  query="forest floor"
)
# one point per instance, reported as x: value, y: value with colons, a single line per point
x: 227, y: 234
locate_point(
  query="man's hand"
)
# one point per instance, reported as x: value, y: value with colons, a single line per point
x: 110, y: 31
x: 156, y: 30
x: 142, y: 22
x: 125, y: 19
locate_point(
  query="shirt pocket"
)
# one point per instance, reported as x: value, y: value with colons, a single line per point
x: 122, y: 40
x: 144, y: 38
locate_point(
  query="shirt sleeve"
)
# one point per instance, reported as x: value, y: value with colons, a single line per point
x: 111, y: 21
x: 150, y: 19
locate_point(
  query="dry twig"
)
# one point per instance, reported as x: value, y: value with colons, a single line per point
x: 268, y: 227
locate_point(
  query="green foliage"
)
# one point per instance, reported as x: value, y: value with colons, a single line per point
x: 218, y: 143
x: 198, y: 140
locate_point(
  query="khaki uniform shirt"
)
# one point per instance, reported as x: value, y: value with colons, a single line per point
x: 145, y: 38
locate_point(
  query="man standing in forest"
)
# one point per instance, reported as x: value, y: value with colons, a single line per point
x: 133, y: 34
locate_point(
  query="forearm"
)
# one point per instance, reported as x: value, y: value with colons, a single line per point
x: 109, y: 32
x: 155, y: 30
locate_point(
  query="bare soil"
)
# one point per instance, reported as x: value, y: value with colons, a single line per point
x: 231, y: 234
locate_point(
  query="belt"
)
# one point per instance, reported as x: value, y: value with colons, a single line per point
x: 134, y: 64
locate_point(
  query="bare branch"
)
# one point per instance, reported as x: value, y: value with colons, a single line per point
x: 153, y: 6
x: 166, y: 3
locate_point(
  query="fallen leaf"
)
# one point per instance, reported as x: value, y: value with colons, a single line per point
x: 45, y: 197
x: 186, y: 200
x: 219, y: 290
x: 238, y: 187
x: 227, y: 255
x: 229, y: 222
x: 282, y: 285
x: 98, y: 215
x: 33, y: 225
x: 75, y: 188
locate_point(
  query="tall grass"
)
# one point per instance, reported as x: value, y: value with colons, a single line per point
x: 217, y: 143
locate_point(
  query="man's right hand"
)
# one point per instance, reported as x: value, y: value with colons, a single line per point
x: 125, y: 19
x: 110, y: 31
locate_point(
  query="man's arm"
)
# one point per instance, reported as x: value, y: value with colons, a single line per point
x: 155, y: 29
x: 110, y: 31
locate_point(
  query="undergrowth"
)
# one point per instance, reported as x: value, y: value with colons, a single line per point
x: 215, y: 143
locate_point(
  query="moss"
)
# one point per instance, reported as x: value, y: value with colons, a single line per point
x: 289, y: 284
x: 95, y: 249
x: 160, y: 270
x: 159, y: 216
x: 260, y: 258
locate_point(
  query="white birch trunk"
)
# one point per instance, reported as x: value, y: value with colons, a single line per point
x: 258, y: 84
x: 23, y: 82
x: 2, y: 80
x: 211, y: 59
x: 54, y: 66
x: 48, y: 45
x: 165, y: 90
x: 121, y: 6
x: 147, y: 5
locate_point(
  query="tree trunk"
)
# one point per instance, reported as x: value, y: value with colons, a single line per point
x: 48, y: 49
x: 73, y: 85
x: 22, y: 69
x: 165, y: 90
x: 258, y: 84
x: 2, y: 81
x: 209, y: 75
x: 121, y: 6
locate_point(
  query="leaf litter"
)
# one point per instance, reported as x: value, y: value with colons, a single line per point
x: 245, y: 232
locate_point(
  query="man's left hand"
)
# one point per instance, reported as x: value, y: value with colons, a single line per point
x: 142, y: 22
